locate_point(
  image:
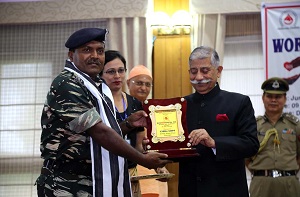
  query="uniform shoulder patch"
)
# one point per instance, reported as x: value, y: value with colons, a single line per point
x: 258, y: 118
x: 291, y: 118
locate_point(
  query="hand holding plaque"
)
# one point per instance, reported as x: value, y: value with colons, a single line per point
x: 166, y: 127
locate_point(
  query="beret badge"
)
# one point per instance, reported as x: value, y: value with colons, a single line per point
x: 275, y: 84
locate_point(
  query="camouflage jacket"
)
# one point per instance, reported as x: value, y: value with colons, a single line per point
x: 68, y: 99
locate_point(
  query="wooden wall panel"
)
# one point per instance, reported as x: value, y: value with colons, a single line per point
x: 170, y: 68
x: 170, y: 6
x: 171, y: 54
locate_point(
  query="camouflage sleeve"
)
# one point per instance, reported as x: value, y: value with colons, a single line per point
x: 85, y: 121
x: 68, y: 97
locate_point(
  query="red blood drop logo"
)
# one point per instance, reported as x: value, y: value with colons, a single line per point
x: 288, y: 66
x: 288, y: 20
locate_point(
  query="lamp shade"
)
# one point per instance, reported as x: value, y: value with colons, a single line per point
x: 160, y: 19
x: 181, y: 18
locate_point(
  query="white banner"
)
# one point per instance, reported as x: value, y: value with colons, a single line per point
x: 281, y: 47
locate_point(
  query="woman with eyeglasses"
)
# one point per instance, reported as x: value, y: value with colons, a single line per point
x: 114, y: 74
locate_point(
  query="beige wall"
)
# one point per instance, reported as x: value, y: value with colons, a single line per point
x: 66, y: 10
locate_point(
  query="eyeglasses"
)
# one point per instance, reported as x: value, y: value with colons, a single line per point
x: 113, y: 71
x: 141, y: 83
x: 203, y: 70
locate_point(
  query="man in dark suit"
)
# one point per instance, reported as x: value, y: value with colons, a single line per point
x: 222, y: 127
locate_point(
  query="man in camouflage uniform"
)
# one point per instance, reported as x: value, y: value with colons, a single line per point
x: 276, y: 164
x: 81, y: 141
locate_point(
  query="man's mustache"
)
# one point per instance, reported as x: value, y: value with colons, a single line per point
x: 201, y: 81
x: 94, y: 61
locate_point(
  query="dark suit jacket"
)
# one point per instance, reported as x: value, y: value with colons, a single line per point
x: 223, y: 174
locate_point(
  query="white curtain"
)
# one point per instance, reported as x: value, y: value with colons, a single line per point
x: 129, y: 36
x: 209, y: 30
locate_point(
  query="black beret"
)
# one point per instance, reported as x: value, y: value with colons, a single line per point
x: 275, y: 85
x: 85, y: 35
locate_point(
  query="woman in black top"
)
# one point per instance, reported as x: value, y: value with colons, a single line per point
x: 114, y: 74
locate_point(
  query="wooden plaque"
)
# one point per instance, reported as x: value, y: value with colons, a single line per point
x: 166, y: 127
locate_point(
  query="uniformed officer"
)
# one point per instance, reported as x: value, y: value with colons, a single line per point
x: 81, y: 142
x: 276, y: 164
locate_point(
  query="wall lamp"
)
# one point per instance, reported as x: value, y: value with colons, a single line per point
x: 178, y: 24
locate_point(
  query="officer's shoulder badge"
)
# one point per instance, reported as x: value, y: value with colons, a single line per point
x: 291, y: 118
x: 258, y: 118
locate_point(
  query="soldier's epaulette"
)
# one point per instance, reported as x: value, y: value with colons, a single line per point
x: 291, y: 118
x: 258, y: 118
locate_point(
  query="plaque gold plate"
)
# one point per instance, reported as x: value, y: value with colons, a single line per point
x: 166, y: 127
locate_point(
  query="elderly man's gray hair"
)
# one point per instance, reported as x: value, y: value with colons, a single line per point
x: 204, y: 52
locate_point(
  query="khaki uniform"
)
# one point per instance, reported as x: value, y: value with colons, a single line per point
x: 281, y: 156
